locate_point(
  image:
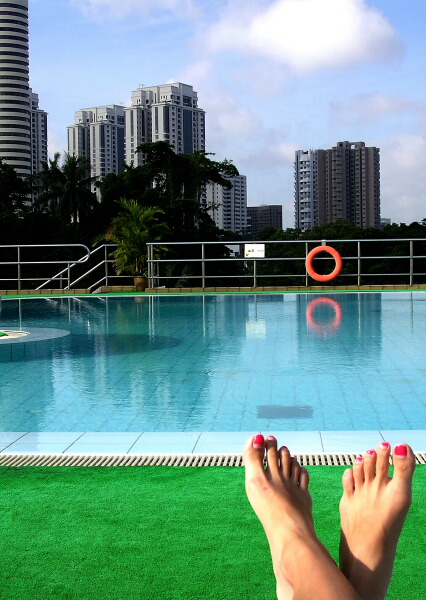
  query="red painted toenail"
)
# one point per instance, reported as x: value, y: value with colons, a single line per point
x: 384, y: 445
x: 401, y: 450
x: 359, y: 459
x: 272, y: 438
x: 259, y: 440
x: 370, y: 452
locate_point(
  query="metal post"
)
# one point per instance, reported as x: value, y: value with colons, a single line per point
x: 106, y: 264
x: 411, y: 261
x: 359, y: 263
x: 19, y: 269
x: 254, y: 272
x: 306, y: 256
x: 203, y: 267
x: 69, y: 276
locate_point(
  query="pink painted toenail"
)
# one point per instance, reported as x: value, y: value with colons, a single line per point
x: 401, y: 450
x: 272, y: 438
x: 259, y: 440
x: 284, y: 448
x: 359, y: 459
x: 384, y: 445
x: 370, y: 452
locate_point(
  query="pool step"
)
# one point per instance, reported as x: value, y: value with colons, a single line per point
x: 170, y: 460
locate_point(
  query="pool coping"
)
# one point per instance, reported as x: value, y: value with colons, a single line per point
x: 199, y: 443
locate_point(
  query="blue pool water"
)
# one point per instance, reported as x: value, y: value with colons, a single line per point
x: 215, y: 363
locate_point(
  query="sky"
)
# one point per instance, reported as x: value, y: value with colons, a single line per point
x: 274, y: 76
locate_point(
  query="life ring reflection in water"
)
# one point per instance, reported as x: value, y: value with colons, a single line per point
x: 330, y: 327
x: 310, y: 259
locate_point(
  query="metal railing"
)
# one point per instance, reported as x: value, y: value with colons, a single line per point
x: 254, y: 270
x: 20, y: 263
x: 224, y: 263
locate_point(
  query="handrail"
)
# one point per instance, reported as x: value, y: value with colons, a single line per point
x: 19, y: 262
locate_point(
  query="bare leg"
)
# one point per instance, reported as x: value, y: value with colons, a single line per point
x: 280, y: 498
x: 373, y: 510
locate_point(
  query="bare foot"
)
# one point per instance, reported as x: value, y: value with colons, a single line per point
x: 279, y: 496
x: 373, y: 510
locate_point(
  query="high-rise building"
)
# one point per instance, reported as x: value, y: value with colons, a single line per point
x: 168, y: 113
x: 265, y: 215
x: 228, y: 207
x: 98, y: 135
x: 15, y: 112
x: 340, y: 183
x: 19, y: 123
x: 38, y: 134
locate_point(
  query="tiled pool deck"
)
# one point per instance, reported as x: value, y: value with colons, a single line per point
x: 196, y: 442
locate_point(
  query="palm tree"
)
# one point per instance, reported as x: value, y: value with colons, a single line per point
x: 131, y: 230
x: 64, y: 190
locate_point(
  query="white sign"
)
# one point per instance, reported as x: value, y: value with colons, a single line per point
x: 254, y: 250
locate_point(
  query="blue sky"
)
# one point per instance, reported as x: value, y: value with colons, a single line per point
x: 273, y: 76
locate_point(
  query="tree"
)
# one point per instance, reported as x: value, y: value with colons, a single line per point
x: 64, y: 190
x: 13, y: 193
x: 131, y: 230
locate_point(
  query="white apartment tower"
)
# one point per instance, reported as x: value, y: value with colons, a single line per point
x: 168, y: 113
x: 228, y: 208
x: 98, y: 134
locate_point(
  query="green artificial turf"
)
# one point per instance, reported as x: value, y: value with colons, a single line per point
x: 160, y: 533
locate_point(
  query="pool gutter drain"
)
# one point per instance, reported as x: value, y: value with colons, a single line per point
x: 169, y: 460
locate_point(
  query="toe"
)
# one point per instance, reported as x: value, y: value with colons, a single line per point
x: 383, y: 455
x: 404, y: 463
x: 253, y: 455
x: 348, y: 482
x: 369, y: 465
x: 358, y: 472
x: 285, y: 462
x: 304, y: 478
x: 295, y: 469
x: 272, y: 457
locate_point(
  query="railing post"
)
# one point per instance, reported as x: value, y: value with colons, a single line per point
x: 411, y: 261
x: 359, y: 263
x: 203, y: 266
x: 106, y: 264
x: 306, y: 256
x: 254, y: 272
x: 69, y: 276
x: 19, y: 269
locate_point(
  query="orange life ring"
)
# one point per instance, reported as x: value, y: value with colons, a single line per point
x: 310, y: 259
x: 324, y: 328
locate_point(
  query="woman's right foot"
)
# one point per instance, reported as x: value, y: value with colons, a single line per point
x: 373, y: 511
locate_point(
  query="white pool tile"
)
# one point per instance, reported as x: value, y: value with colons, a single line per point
x: 8, y: 437
x: 35, y: 448
x: 47, y: 437
x: 100, y: 437
x: 415, y: 438
x: 350, y: 441
x: 172, y: 448
x: 98, y: 448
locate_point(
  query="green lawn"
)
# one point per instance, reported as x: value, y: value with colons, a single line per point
x: 160, y: 533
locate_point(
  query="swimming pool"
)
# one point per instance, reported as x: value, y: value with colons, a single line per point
x: 352, y: 361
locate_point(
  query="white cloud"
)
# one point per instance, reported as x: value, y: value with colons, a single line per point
x: 368, y: 108
x: 403, y: 187
x: 307, y: 35
x: 120, y: 9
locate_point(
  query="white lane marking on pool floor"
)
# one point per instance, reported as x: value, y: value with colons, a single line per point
x: 196, y: 442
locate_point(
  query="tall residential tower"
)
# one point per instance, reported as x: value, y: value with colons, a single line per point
x: 23, y: 126
x: 340, y: 183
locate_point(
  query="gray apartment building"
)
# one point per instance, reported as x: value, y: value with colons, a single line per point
x: 339, y: 183
x: 265, y: 215
x: 228, y: 207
